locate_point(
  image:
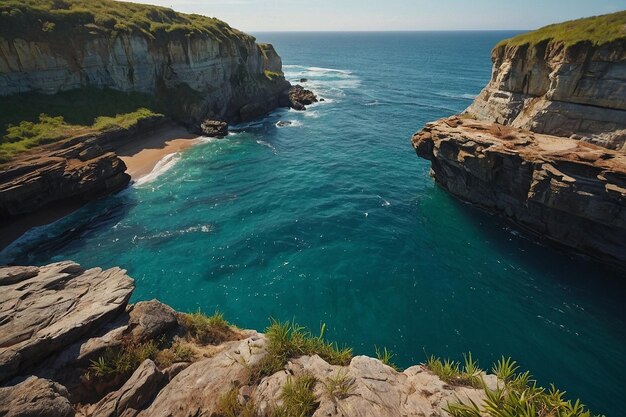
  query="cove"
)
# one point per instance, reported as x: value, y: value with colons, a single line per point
x: 333, y: 219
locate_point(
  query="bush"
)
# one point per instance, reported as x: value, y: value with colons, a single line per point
x: 207, y: 329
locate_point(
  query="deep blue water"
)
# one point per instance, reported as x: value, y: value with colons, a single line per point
x: 334, y: 219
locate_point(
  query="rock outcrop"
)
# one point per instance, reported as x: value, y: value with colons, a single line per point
x: 213, y: 128
x: 565, y: 90
x: 299, y: 97
x: 78, y: 169
x: 201, y: 66
x: 49, y: 308
x: 59, y: 319
x: 565, y: 190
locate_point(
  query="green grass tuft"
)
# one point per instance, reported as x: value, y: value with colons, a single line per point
x: 597, y: 30
x: 339, y: 386
x: 207, y: 329
x: 298, y: 398
x: 386, y: 356
x: 122, y: 361
x: 520, y: 396
x: 229, y: 406
x: 454, y: 372
x: 289, y: 340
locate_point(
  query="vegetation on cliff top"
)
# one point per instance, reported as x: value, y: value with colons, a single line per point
x: 597, y: 29
x: 32, y: 19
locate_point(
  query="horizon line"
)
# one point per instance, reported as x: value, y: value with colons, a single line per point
x: 386, y: 30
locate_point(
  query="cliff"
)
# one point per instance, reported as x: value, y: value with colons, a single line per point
x: 566, y: 191
x: 57, y: 321
x: 562, y: 80
x: 199, y: 66
x: 71, y: 345
x: 544, y: 143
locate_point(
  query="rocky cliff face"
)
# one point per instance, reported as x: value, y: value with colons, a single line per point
x: 574, y: 91
x: 57, y: 320
x: 80, y: 169
x: 205, y: 76
x: 565, y: 190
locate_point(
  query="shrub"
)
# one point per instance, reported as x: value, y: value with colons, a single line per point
x: 123, y: 360
x: 229, y: 406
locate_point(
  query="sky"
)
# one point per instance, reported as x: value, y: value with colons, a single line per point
x: 375, y: 15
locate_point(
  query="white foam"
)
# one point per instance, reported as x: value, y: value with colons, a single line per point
x: 166, y: 163
x: 321, y: 69
x: 201, y: 228
x: 292, y: 123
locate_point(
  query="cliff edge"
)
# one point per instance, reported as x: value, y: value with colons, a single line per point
x: 543, y: 143
x: 199, y: 66
x: 565, y: 80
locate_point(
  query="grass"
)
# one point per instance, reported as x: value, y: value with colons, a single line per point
x: 298, y: 398
x: 456, y: 373
x: 519, y: 396
x: 386, y: 356
x: 229, y: 406
x: 179, y: 352
x: 122, y: 361
x: 73, y: 19
x: 289, y: 340
x: 597, y: 30
x: 205, y: 329
x: 48, y: 129
x: 339, y: 386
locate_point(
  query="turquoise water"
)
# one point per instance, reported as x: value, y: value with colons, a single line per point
x: 334, y: 219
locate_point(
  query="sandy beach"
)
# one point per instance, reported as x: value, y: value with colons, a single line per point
x: 142, y: 155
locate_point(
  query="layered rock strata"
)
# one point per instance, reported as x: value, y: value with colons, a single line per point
x: 201, y: 76
x: 79, y: 169
x: 576, y: 91
x: 565, y: 190
x: 59, y: 319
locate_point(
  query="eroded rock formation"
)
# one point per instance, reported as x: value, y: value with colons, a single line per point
x: 59, y: 319
x: 574, y: 91
x: 565, y: 190
x: 81, y: 168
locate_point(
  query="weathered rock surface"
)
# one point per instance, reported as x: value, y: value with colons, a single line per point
x: 35, y: 397
x: 41, y: 314
x: 560, y: 90
x: 213, y: 128
x: 565, y: 190
x: 299, y: 97
x: 71, y: 316
x: 137, y: 392
x: 202, y: 75
x: 78, y: 169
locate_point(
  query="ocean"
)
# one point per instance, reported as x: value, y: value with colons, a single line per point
x: 333, y: 219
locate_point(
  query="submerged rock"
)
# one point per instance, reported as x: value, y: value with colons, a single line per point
x: 283, y: 123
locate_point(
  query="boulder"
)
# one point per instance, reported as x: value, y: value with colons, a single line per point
x: 35, y: 397
x: 150, y: 320
x: 136, y: 393
x: 44, y: 313
x: 213, y: 128
x: 283, y: 123
x: 299, y: 97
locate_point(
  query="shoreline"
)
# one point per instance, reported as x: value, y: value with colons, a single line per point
x: 140, y: 156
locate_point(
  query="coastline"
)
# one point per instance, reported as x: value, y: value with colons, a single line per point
x: 140, y: 155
